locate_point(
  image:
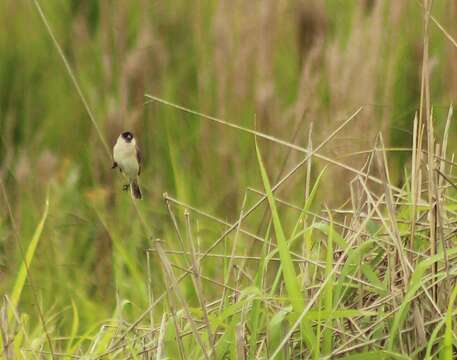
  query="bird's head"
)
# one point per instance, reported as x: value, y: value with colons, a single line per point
x: 127, y: 136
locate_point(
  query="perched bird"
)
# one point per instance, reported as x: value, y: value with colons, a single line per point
x: 127, y: 158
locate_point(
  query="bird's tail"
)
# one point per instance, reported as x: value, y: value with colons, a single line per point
x: 136, y: 192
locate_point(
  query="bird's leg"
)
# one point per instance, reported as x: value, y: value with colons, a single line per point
x: 125, y: 187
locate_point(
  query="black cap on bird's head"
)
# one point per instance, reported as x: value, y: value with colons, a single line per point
x: 127, y: 136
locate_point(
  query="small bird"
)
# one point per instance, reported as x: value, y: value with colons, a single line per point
x: 127, y: 158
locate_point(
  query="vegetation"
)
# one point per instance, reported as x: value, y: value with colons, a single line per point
x: 300, y: 197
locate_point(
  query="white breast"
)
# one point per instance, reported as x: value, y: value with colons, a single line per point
x: 124, y: 155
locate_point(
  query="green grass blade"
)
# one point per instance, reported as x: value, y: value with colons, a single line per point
x: 446, y: 349
x: 124, y: 256
x: 350, y: 268
x: 375, y: 355
x: 417, y: 280
x: 275, y: 331
x: 22, y: 275
x: 74, y: 326
x: 290, y: 277
x: 337, y: 314
x: 225, y: 342
x: 308, y: 203
x: 432, y: 340
x: 328, y: 300
x: 325, y: 229
x: 257, y: 313
x: 370, y: 274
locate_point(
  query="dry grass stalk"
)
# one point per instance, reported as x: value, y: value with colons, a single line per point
x: 171, y: 277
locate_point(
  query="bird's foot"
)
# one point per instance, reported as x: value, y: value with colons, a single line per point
x: 125, y: 187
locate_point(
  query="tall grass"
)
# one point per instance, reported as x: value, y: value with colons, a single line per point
x: 255, y: 240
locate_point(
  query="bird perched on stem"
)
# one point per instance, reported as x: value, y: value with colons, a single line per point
x: 127, y: 158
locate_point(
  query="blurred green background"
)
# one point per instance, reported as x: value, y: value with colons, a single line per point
x: 277, y: 66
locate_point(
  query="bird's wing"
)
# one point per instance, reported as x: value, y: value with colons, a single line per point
x: 139, y: 158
